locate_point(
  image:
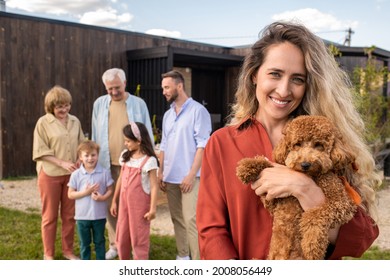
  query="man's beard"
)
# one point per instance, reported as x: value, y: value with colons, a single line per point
x: 173, y: 97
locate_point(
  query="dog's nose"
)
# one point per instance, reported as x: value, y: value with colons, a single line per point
x: 305, y: 165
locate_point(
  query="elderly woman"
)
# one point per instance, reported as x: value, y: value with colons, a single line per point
x: 56, y: 137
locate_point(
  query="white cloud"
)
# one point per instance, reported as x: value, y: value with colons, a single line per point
x: 58, y: 7
x: 378, y: 4
x: 108, y: 17
x: 93, y: 12
x: 164, y: 33
x: 316, y: 20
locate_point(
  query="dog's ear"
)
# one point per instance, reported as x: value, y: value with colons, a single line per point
x: 341, y: 155
x: 281, y: 149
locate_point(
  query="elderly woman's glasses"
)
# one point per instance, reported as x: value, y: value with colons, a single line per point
x: 62, y: 107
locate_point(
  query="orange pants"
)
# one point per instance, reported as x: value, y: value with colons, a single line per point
x: 54, y: 196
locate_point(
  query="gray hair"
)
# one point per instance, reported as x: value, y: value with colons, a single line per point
x: 112, y: 73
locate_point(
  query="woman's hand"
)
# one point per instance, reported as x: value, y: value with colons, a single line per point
x: 67, y: 165
x: 281, y: 181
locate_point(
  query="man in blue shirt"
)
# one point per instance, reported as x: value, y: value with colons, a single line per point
x: 112, y: 112
x: 185, y: 132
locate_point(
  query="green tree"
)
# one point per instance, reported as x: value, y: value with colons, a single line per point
x: 370, y: 101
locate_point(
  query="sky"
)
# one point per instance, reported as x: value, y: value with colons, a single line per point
x: 227, y: 23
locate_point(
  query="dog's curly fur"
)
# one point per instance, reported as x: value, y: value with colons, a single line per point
x: 312, y: 145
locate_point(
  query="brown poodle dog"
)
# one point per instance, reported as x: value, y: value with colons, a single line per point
x: 312, y: 145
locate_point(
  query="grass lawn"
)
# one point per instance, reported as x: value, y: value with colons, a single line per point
x: 20, y: 239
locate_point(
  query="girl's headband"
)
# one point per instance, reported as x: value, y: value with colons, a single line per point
x: 135, y: 130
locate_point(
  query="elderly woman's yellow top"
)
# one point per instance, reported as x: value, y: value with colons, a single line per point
x: 52, y: 138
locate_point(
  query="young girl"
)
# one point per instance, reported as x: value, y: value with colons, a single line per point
x: 137, y: 190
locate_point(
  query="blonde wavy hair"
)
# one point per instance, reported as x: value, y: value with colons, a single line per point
x: 328, y: 93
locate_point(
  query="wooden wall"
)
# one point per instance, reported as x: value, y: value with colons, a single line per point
x: 36, y: 54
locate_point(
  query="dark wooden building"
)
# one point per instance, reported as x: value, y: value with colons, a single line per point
x: 37, y: 53
x: 352, y: 57
x: 209, y: 77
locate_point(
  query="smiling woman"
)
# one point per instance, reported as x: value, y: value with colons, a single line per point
x: 287, y: 73
x: 56, y: 138
x: 280, y: 85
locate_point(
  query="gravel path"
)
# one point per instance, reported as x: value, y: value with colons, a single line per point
x: 383, y: 241
x: 23, y: 195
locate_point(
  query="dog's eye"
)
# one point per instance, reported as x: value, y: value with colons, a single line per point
x: 297, y: 145
x: 319, y: 146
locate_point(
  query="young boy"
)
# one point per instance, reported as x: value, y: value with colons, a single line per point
x: 90, y: 186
